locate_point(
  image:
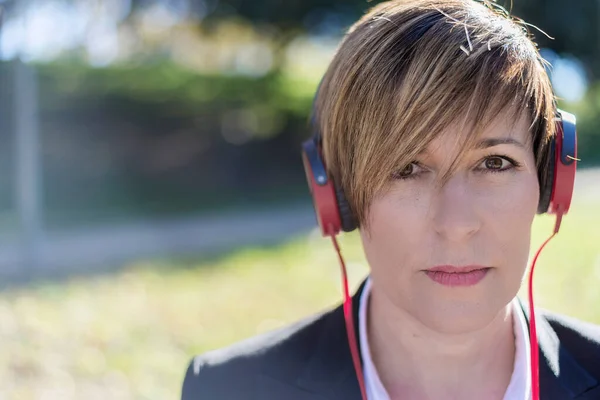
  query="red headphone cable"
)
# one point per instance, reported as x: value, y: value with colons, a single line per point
x: 534, y: 350
x: 352, y: 341
x: 349, y: 318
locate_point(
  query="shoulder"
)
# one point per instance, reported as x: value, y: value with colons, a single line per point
x: 232, y: 372
x: 580, y: 338
x: 574, y: 331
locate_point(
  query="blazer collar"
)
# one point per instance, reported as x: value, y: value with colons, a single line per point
x: 330, y: 371
x: 559, y: 371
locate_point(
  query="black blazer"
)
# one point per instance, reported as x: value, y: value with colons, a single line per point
x: 311, y: 360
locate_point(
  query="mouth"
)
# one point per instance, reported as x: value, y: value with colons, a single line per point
x: 449, y: 275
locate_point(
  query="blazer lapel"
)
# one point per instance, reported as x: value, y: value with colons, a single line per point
x: 330, y: 371
x: 561, y: 376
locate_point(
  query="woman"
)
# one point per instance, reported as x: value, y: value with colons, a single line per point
x: 435, y: 119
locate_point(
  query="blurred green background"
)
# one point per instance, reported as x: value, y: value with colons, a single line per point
x: 166, y: 206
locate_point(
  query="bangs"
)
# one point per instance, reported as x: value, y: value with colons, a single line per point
x: 445, y: 86
x: 407, y: 71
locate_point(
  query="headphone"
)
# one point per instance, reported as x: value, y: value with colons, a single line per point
x: 334, y: 214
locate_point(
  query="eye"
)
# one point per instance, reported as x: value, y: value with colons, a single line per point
x: 497, y: 163
x: 408, y: 172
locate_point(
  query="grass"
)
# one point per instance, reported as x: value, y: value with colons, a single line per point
x: 130, y: 335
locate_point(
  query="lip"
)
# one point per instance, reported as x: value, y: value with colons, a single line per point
x: 450, y: 275
x: 453, y: 269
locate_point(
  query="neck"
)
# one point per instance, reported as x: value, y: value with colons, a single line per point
x: 416, y: 362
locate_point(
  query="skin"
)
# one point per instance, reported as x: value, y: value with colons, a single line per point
x: 427, y: 340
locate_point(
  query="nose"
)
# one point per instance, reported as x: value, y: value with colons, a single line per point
x: 455, y: 214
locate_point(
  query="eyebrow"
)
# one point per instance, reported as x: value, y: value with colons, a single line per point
x: 491, y: 142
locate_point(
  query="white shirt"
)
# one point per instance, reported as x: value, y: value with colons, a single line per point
x: 519, y: 387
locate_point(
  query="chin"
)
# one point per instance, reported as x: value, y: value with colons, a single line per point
x: 459, y: 315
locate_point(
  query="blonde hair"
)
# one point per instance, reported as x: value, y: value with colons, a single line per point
x: 407, y: 70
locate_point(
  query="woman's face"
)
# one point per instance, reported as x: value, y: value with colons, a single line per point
x: 481, y: 218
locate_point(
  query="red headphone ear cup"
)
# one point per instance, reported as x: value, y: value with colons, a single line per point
x: 346, y: 216
x: 323, y: 194
x: 564, y: 163
x: 547, y: 183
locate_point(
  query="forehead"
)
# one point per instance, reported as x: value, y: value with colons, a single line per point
x: 509, y: 124
x: 508, y: 127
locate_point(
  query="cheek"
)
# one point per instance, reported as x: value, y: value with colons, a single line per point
x: 394, y: 233
x: 511, y: 206
x: 511, y: 219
